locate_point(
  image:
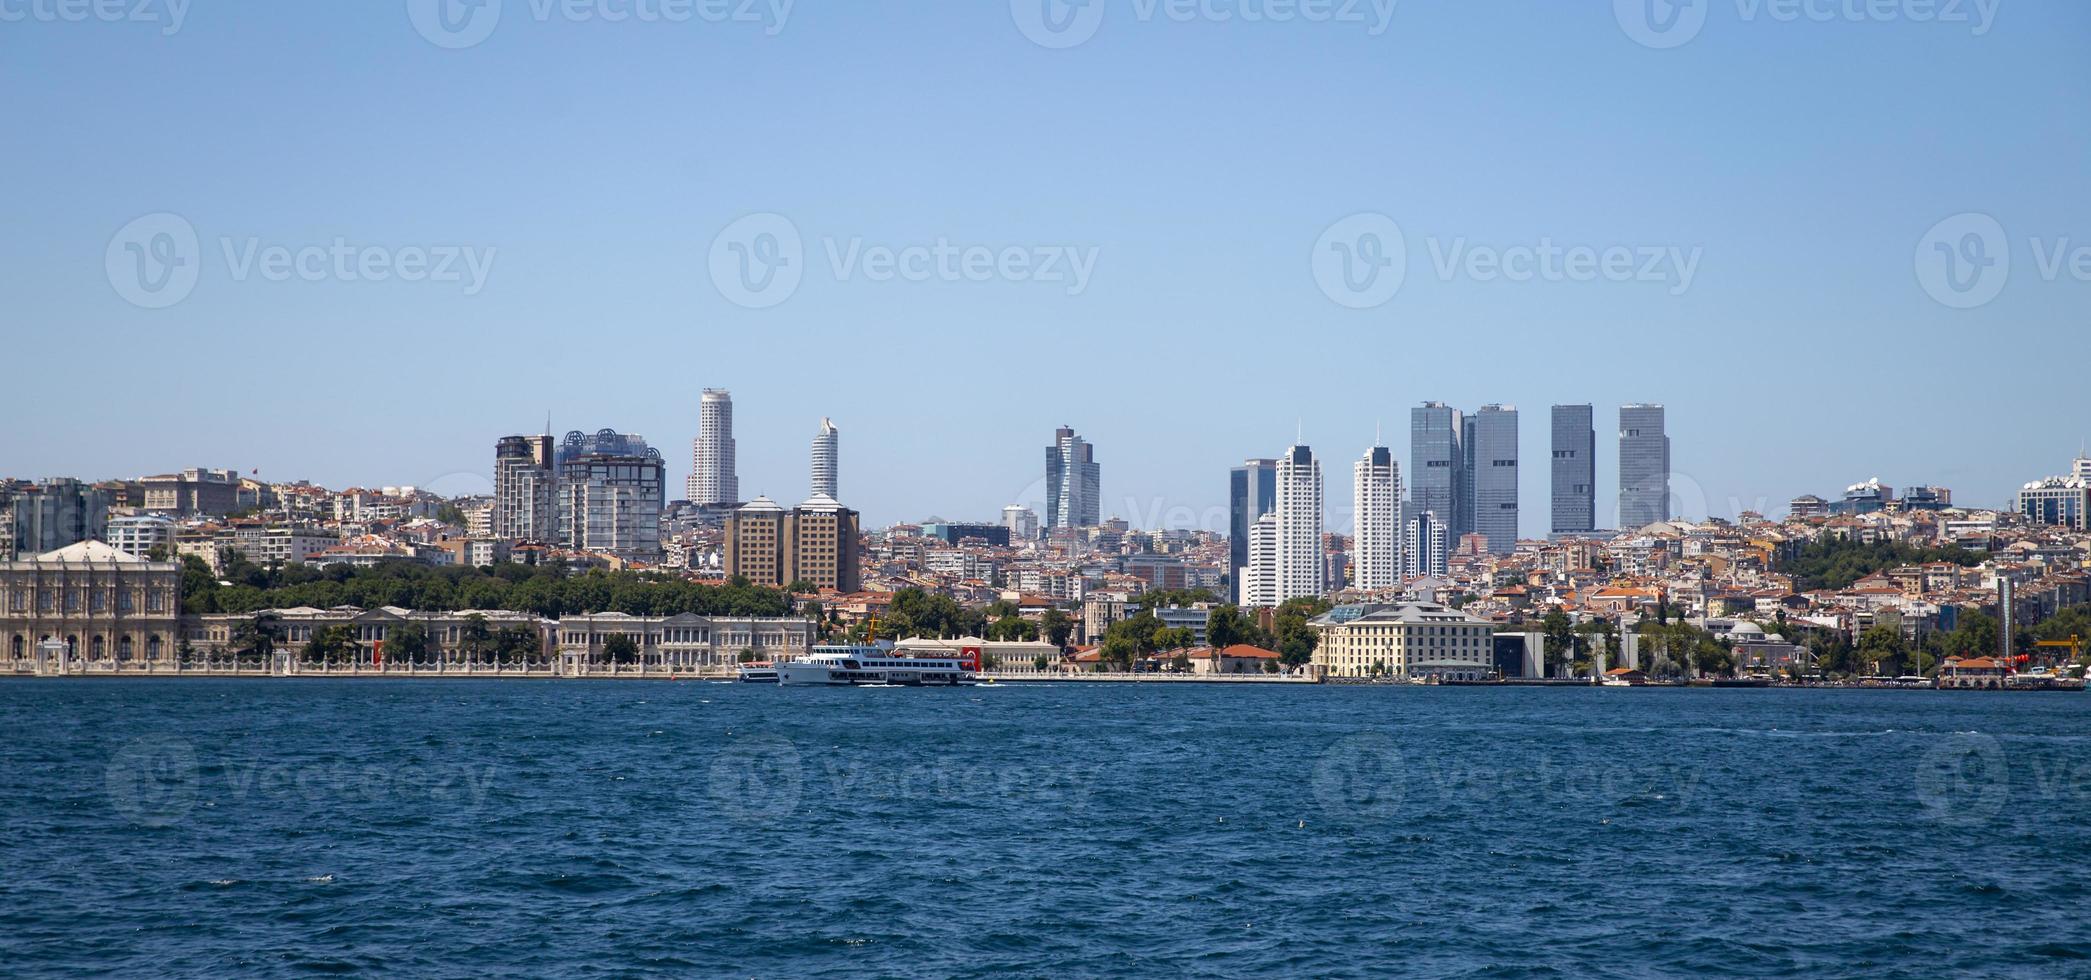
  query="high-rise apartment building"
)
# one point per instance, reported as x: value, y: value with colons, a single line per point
x: 1490, y: 442
x: 1021, y: 521
x: 1073, y: 491
x: 1438, y: 465
x: 816, y: 543
x: 611, y: 490
x: 1286, y: 549
x: 1376, y: 498
x: 52, y: 515
x: 526, y: 504
x: 1574, y: 470
x: 1644, y: 467
x: 1424, y: 546
x: 1252, y: 490
x: 713, y: 480
x: 827, y: 458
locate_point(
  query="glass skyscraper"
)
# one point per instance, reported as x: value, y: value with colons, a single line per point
x: 1575, y: 470
x: 1438, y: 466
x: 1644, y: 467
x: 1491, y: 457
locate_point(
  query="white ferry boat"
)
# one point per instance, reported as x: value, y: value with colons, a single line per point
x: 869, y: 666
x: 759, y: 672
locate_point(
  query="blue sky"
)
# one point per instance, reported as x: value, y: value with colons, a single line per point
x: 1804, y: 165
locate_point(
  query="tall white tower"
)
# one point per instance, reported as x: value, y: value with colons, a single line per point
x: 1376, y: 550
x: 713, y: 480
x: 1298, y: 562
x: 827, y: 451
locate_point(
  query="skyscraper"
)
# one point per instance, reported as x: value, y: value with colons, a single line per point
x: 1491, y: 451
x: 1252, y: 490
x: 525, y: 490
x: 1575, y: 470
x: 1376, y: 496
x: 1021, y: 521
x: 827, y: 457
x: 1423, y: 549
x: 1644, y: 467
x: 713, y: 481
x: 1438, y: 466
x: 1286, y: 549
x: 611, y: 488
x: 1073, y: 482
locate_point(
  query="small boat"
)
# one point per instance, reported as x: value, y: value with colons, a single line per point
x: 759, y: 672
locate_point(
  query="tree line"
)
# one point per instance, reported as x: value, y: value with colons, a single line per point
x: 544, y: 590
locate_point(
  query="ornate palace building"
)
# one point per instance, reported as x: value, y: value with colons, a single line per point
x: 88, y: 603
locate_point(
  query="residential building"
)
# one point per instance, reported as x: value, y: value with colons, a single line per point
x: 526, y: 502
x: 1252, y: 490
x: 817, y: 543
x: 1376, y: 497
x: 1408, y: 641
x: 1288, y: 562
x: 51, y: 515
x: 2063, y: 501
x: 138, y: 534
x: 1438, y: 465
x: 611, y: 490
x: 1073, y: 491
x: 1870, y: 497
x: 1644, y: 467
x: 1490, y: 443
x: 193, y: 492
x: 714, y: 481
x: 1807, y: 505
x: 827, y: 459
x: 1574, y: 469
x: 105, y: 606
x: 951, y: 532
x: 1021, y: 521
x: 1425, y: 546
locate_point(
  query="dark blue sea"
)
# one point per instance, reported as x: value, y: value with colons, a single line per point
x: 468, y: 829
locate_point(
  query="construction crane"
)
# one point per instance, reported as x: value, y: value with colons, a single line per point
x: 2075, y: 646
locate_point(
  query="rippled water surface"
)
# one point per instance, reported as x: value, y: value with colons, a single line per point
x: 477, y: 828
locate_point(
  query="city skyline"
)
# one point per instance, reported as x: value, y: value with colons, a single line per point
x: 1803, y: 267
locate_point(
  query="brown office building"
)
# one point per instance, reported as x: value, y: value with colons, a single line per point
x: 816, y: 542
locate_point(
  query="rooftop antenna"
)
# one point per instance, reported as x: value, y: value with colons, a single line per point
x: 1300, y: 434
x: 1379, y: 435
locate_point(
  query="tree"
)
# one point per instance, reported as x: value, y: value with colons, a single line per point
x: 748, y: 655
x: 1174, y: 638
x: 255, y: 639
x: 802, y: 587
x: 1297, y: 639
x: 331, y: 644
x: 1560, y: 637
x: 476, y: 640
x: 407, y: 643
x: 620, y: 649
x: 1058, y: 627
x: 519, y: 644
